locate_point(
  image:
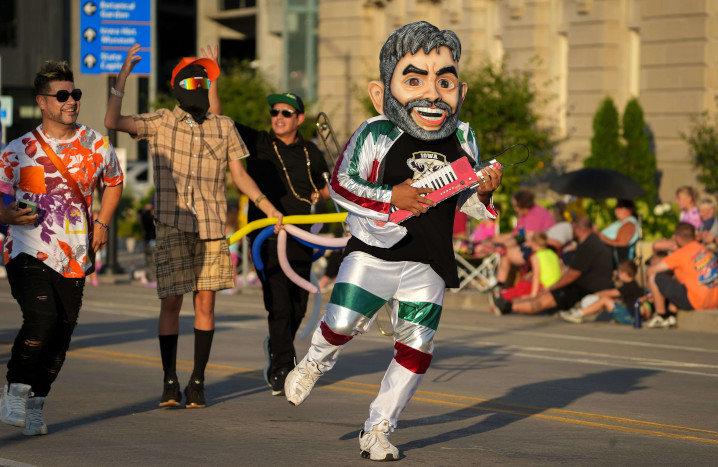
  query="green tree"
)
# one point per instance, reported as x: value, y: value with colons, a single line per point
x: 702, y: 139
x: 638, y: 162
x: 501, y: 106
x: 605, y: 143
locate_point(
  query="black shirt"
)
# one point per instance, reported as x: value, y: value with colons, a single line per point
x: 630, y: 292
x: 595, y: 261
x: 428, y: 238
x: 264, y: 166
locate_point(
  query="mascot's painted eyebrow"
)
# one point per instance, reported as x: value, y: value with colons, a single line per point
x: 412, y: 69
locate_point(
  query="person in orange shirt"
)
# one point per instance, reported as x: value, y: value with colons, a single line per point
x: 692, y: 284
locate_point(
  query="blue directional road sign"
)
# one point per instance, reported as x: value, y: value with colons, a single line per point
x: 109, y: 28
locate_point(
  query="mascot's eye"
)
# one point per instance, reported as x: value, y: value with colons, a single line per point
x: 413, y: 82
x: 446, y: 84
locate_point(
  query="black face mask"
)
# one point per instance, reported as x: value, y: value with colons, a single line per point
x: 196, y: 101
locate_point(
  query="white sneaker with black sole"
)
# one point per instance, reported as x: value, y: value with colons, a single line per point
x: 375, y: 444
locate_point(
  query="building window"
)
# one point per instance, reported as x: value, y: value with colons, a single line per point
x: 234, y: 4
x: 7, y: 24
x: 300, y: 42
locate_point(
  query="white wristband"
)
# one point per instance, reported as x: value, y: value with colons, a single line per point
x: 117, y: 93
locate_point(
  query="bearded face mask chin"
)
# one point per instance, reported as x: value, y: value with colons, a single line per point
x: 401, y: 116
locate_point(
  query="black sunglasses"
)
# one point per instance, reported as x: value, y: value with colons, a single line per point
x: 63, y: 95
x: 285, y: 113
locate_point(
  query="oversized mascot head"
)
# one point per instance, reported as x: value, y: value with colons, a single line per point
x: 419, y: 89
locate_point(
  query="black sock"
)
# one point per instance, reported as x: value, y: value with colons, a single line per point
x: 202, y: 346
x: 168, y: 351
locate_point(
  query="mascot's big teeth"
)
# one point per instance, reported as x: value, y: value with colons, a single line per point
x: 430, y: 113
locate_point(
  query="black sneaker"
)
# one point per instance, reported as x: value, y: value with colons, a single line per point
x: 501, y: 306
x: 278, y: 382
x: 194, y: 395
x: 171, y: 395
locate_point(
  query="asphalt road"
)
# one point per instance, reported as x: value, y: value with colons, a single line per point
x: 501, y: 391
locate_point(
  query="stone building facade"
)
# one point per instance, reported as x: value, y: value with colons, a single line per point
x: 661, y: 51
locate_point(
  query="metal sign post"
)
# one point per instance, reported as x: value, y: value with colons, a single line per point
x: 108, y: 30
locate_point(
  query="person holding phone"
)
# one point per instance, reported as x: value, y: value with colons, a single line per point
x: 52, y: 173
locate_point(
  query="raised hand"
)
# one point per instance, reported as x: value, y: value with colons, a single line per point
x: 131, y: 60
x: 405, y: 196
x: 211, y: 53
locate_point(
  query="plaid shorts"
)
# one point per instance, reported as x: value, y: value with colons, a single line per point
x: 185, y: 263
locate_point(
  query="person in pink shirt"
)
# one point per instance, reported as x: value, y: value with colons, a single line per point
x: 532, y: 218
x: 686, y: 197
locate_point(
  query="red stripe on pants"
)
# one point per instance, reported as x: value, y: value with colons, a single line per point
x: 332, y: 337
x: 412, y: 359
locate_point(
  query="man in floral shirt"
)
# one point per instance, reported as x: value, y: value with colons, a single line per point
x: 51, y: 240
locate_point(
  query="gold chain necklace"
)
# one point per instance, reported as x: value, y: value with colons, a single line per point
x: 289, y: 181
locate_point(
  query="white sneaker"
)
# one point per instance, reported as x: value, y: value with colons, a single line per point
x: 573, y: 315
x: 301, y: 380
x: 658, y: 321
x: 375, y: 444
x: 34, y: 424
x: 12, y: 406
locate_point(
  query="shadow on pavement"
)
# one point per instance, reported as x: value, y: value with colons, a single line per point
x: 526, y: 401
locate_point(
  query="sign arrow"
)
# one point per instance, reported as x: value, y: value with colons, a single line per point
x: 89, y: 8
x: 90, y: 60
x: 90, y: 34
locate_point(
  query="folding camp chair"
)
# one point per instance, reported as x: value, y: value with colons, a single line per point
x: 480, y: 273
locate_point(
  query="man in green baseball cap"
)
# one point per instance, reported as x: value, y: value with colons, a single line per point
x: 287, y: 98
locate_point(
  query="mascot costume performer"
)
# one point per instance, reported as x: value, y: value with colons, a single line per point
x: 410, y: 265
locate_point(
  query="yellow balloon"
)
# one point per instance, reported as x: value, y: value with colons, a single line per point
x: 306, y: 219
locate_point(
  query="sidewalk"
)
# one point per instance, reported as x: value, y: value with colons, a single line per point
x: 467, y: 299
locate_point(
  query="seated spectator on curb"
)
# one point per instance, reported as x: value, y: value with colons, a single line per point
x: 618, y: 301
x: 531, y: 218
x: 686, y: 197
x: 709, y: 229
x: 545, y: 270
x: 622, y: 234
x: 685, y: 278
x: 561, y: 233
x: 590, y: 271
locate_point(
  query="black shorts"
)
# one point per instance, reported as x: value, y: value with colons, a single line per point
x: 674, y: 291
x: 566, y: 297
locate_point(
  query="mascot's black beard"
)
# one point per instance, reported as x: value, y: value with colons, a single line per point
x: 401, y: 116
x: 196, y: 101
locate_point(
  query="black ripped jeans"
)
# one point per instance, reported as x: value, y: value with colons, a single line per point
x: 50, y: 305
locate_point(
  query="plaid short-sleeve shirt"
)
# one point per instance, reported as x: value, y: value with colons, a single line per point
x: 190, y: 165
